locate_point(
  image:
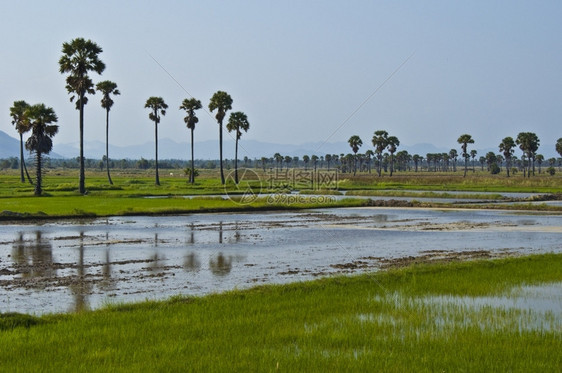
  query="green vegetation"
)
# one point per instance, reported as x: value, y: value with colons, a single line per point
x: 372, y: 322
x: 132, y: 191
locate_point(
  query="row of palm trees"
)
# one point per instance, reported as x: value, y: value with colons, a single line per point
x: 528, y: 142
x: 79, y: 58
x: 221, y: 102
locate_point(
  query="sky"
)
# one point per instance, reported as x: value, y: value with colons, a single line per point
x: 303, y: 71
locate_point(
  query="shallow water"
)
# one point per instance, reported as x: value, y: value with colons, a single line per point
x: 73, y: 265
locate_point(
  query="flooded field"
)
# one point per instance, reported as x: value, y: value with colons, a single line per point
x: 74, y: 265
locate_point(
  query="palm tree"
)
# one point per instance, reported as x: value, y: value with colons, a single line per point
x: 529, y: 143
x: 506, y: 147
x: 107, y: 88
x: 380, y: 142
x: 559, y: 146
x: 238, y: 122
x: 453, y: 156
x: 473, y: 154
x: 464, y: 140
x: 305, y: 159
x: 79, y: 57
x: 158, y: 107
x: 39, y: 119
x: 222, y: 102
x: 393, y: 143
x: 355, y: 143
x: 17, y: 112
x: 190, y: 105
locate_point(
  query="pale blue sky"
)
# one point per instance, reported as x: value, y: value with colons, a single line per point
x: 299, y: 69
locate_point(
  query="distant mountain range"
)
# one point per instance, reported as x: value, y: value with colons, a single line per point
x: 170, y: 149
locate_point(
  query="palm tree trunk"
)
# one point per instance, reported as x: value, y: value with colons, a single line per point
x: 107, y: 146
x: 22, y: 178
x: 236, y: 159
x: 156, y: 141
x: 192, y: 176
x: 220, y: 152
x: 27, y: 173
x: 38, y: 189
x: 82, y: 177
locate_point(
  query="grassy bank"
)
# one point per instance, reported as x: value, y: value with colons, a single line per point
x: 362, y: 323
x: 128, y: 195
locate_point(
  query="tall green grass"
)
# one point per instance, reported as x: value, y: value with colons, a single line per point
x: 362, y: 323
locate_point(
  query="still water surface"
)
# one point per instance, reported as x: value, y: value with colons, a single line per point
x: 74, y: 265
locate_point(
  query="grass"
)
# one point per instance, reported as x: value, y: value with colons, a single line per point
x: 127, y: 195
x: 372, y: 322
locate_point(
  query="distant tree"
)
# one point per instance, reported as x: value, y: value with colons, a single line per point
x: 237, y: 122
x: 464, y: 140
x: 107, y: 88
x: 540, y: 159
x: 288, y: 159
x: 79, y: 57
x: 263, y: 162
x: 528, y: 143
x: 278, y: 160
x: 417, y: 159
x: 190, y: 105
x: 39, y: 119
x: 355, y: 143
x: 506, y: 147
x: 157, y: 107
x: 482, y: 161
x: 392, y: 143
x: 559, y: 146
x: 305, y: 159
x: 328, y: 158
x: 18, y: 120
x: 314, y: 159
x: 453, y: 156
x: 473, y: 154
x: 222, y: 102
x: 380, y: 142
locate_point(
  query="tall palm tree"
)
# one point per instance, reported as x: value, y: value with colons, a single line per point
x: 79, y: 57
x: 17, y: 112
x: 380, y: 142
x: 559, y: 146
x: 238, y: 122
x: 355, y: 143
x: 222, y: 102
x: 190, y: 105
x: 464, y: 140
x: 506, y: 147
x: 107, y: 88
x: 393, y: 143
x: 158, y: 107
x: 39, y: 119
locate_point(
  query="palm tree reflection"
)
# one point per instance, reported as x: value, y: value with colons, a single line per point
x: 220, y: 265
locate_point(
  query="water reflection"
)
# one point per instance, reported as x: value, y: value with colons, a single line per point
x: 81, y: 287
x: 191, y: 239
x: 33, y: 259
x: 220, y: 265
x: 191, y: 262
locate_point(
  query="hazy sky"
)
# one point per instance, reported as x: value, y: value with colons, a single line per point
x: 299, y: 69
